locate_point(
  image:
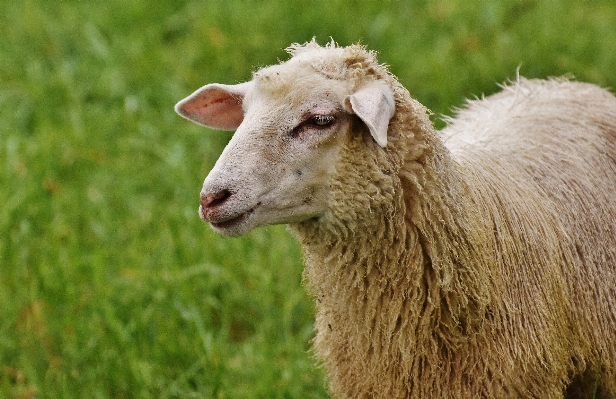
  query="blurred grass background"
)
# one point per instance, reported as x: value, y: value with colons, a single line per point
x: 110, y: 285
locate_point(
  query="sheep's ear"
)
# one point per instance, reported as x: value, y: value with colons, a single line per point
x: 375, y: 105
x: 215, y: 105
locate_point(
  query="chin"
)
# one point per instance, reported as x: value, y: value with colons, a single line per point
x: 234, y: 230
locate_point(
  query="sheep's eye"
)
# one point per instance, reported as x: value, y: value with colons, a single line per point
x: 315, y: 122
x: 322, y: 120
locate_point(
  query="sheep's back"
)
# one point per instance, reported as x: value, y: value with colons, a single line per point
x: 531, y: 113
x: 554, y: 143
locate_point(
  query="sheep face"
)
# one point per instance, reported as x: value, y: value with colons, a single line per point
x: 291, y: 122
x: 276, y: 166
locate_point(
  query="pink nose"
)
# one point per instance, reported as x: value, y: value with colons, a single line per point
x: 209, y: 201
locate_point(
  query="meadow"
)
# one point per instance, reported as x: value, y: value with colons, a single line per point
x: 110, y: 284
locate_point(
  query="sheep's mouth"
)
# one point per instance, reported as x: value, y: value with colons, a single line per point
x: 233, y: 221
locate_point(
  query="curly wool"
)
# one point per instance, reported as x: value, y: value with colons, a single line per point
x: 461, y: 266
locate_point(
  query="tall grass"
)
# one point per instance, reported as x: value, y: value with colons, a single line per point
x: 110, y: 285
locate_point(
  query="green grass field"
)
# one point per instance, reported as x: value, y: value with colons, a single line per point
x: 110, y: 284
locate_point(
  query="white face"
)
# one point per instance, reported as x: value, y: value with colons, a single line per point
x: 291, y: 122
x: 278, y: 165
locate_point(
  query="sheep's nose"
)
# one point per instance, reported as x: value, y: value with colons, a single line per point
x: 209, y: 201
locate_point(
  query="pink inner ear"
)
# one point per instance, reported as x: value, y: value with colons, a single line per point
x: 213, y: 107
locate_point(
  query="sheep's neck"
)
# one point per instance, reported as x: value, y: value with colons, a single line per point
x: 366, y: 288
x: 396, y: 290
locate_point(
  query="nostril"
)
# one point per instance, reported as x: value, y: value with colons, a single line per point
x: 212, y: 200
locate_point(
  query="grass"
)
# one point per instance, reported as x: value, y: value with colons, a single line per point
x: 110, y: 285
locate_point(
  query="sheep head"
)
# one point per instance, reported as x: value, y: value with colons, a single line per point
x: 291, y: 121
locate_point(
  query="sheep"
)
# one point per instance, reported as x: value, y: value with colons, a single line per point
x: 476, y: 261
